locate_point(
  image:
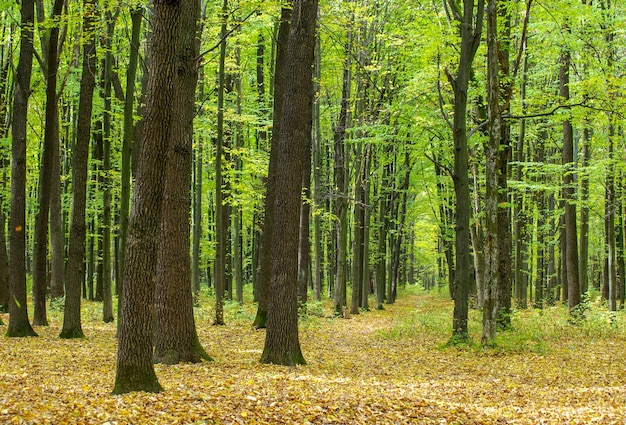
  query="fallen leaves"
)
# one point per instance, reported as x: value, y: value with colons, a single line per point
x: 359, y: 371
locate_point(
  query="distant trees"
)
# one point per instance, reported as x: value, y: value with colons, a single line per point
x: 489, y: 165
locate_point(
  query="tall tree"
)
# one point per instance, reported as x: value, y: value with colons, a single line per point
x: 136, y: 14
x: 75, y: 270
x: 265, y: 250
x: 19, y: 324
x: 470, y: 21
x: 569, y: 191
x: 220, y: 207
x: 176, y: 339
x: 282, y: 345
x: 50, y: 148
x: 492, y: 245
x: 135, y: 370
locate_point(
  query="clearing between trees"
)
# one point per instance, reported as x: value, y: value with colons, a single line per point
x: 378, y: 367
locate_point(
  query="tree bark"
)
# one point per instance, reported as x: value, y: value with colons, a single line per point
x: 50, y: 147
x: 282, y: 345
x: 265, y: 249
x: 571, y: 235
x: 72, y: 327
x: 135, y: 370
x: 492, y: 157
x: 136, y: 15
x: 19, y: 324
x: 176, y: 339
x: 470, y: 27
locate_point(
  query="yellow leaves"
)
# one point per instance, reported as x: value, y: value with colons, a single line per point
x: 359, y: 371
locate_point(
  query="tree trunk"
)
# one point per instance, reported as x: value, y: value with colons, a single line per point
x: 357, y: 241
x: 317, y: 174
x: 107, y: 297
x: 571, y: 235
x: 50, y: 147
x: 304, y: 248
x: 220, y: 235
x: 265, y: 250
x: 75, y: 272
x: 19, y: 324
x: 470, y: 27
x: 135, y: 370
x: 367, y: 213
x: 4, y: 265
x: 136, y: 15
x: 492, y: 158
x: 176, y: 339
x: 282, y: 345
x: 340, y: 165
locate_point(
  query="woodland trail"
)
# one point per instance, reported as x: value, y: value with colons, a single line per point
x: 379, y: 367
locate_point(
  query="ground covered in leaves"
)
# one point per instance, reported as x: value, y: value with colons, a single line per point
x: 378, y: 367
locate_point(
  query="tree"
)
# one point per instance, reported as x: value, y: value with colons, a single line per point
x: 75, y: 270
x: 50, y: 149
x: 571, y: 234
x: 176, y: 339
x: 135, y: 370
x: 127, y: 143
x: 265, y: 250
x: 282, y: 345
x: 470, y: 27
x: 492, y: 245
x: 19, y: 324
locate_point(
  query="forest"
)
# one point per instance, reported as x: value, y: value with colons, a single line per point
x: 417, y: 207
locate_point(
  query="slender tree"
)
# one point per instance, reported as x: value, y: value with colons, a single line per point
x: 50, y: 148
x: 19, y: 324
x: 470, y: 21
x: 72, y: 315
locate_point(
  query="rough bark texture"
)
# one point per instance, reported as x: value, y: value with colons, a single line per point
x: 71, y: 318
x: 127, y: 145
x: 135, y: 370
x: 18, y: 319
x: 46, y: 176
x: 470, y: 29
x: 491, y: 250
x: 571, y: 236
x: 176, y: 339
x: 4, y: 266
x: 282, y: 345
x: 220, y: 234
x: 265, y: 249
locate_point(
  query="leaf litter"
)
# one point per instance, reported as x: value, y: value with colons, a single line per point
x: 378, y: 367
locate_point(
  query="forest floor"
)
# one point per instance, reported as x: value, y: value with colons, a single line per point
x: 378, y: 367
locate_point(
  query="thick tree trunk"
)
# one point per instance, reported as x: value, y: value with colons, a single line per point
x: 135, y: 371
x: 19, y: 324
x: 176, y: 339
x: 265, y: 249
x: 282, y: 345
